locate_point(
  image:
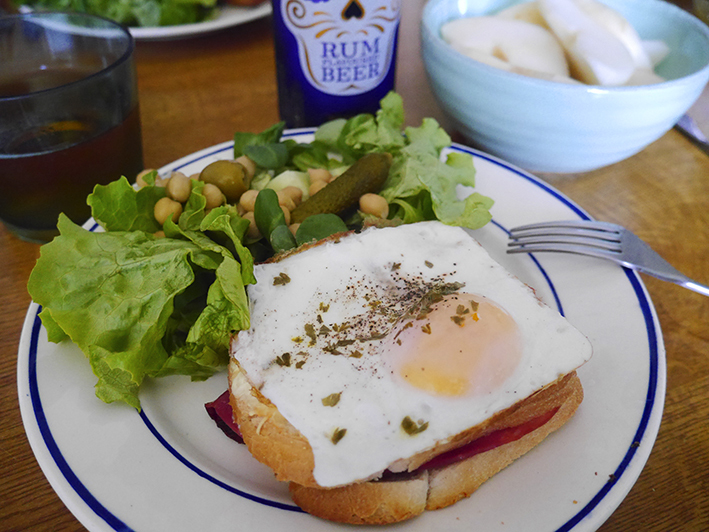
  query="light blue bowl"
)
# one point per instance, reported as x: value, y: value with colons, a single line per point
x: 545, y: 126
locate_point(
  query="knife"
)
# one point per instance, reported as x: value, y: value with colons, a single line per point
x: 689, y: 128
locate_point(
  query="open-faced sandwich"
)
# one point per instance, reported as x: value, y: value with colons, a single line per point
x: 395, y: 370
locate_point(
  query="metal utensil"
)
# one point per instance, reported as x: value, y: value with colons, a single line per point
x: 598, y: 239
x: 689, y: 128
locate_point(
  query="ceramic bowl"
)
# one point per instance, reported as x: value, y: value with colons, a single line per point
x: 547, y: 126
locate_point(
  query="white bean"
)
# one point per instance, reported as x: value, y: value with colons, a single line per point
x: 374, y: 204
x: 213, y: 195
x: 166, y: 208
x: 178, y: 187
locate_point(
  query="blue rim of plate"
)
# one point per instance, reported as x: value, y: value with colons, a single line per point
x: 116, y: 524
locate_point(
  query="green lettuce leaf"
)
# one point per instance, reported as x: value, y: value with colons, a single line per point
x: 115, y: 294
x: 421, y: 186
x: 120, y: 207
x: 134, y: 12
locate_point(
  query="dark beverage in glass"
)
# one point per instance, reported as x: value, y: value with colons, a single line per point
x: 334, y: 58
x: 69, y: 117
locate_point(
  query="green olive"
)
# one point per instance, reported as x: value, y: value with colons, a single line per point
x: 229, y: 176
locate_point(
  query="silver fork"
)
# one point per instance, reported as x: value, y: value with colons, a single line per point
x: 598, y: 239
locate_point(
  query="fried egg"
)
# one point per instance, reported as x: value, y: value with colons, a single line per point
x: 382, y: 344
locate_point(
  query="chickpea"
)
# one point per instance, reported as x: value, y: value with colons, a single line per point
x: 293, y: 228
x: 284, y: 200
x: 166, y: 208
x: 179, y: 187
x: 286, y: 213
x: 248, y: 200
x: 374, y: 204
x: 253, y: 231
x: 316, y: 186
x: 213, y: 195
x: 248, y: 164
x: 294, y: 193
x: 319, y: 174
x: 159, y: 234
x: 139, y: 178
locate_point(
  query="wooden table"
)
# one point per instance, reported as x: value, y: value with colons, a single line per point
x: 198, y: 92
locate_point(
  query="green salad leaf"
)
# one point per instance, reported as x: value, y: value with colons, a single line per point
x: 134, y: 12
x: 421, y: 186
x: 141, y: 306
x: 119, y: 207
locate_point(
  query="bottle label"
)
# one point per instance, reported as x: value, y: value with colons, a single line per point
x: 345, y: 47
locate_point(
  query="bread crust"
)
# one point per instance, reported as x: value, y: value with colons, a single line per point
x: 272, y: 440
x: 457, y: 481
x: 446, y: 485
x: 270, y: 437
x: 372, y: 503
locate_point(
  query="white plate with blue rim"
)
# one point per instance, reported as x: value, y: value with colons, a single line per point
x: 226, y: 17
x: 170, y: 468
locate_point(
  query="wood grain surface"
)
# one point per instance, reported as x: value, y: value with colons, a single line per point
x: 197, y: 92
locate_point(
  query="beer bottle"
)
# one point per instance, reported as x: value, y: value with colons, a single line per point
x: 334, y: 58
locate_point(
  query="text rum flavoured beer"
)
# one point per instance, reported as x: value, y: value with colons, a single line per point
x: 334, y: 58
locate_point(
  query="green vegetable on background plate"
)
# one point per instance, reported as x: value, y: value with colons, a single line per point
x: 145, y: 13
x: 141, y: 304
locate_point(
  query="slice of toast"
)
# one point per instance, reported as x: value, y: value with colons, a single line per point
x: 274, y: 441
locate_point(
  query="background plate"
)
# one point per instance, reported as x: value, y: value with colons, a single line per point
x: 228, y: 16
x: 170, y: 467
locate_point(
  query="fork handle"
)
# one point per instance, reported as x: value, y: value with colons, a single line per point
x: 675, y: 277
x: 694, y: 286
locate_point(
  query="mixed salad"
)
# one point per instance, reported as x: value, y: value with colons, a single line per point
x: 152, y: 295
x: 142, y: 13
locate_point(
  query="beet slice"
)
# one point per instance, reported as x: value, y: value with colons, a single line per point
x: 489, y: 441
x: 220, y: 411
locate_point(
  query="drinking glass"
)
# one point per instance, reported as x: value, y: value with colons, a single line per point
x: 68, y: 117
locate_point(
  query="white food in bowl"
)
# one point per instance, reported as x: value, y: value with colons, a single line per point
x: 538, y: 37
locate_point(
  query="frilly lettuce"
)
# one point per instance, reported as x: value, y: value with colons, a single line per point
x: 134, y: 12
x: 420, y: 185
x: 140, y: 306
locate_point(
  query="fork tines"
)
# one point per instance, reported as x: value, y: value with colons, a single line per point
x: 570, y: 236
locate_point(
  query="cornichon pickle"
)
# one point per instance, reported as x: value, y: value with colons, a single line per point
x: 366, y: 175
x: 229, y: 176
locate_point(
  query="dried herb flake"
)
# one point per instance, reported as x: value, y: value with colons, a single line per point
x: 458, y: 320
x: 337, y: 435
x: 310, y: 333
x: 281, y: 279
x: 332, y: 399
x: 411, y: 427
x: 283, y: 360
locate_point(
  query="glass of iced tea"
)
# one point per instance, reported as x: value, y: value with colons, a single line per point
x: 68, y: 117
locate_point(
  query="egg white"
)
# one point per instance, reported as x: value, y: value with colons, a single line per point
x: 364, y: 281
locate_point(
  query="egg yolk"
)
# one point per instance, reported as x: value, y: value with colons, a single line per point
x: 465, y: 345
